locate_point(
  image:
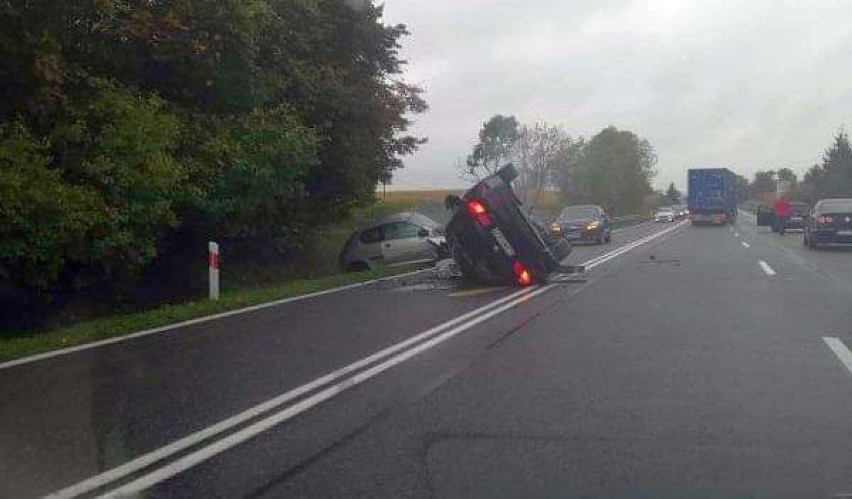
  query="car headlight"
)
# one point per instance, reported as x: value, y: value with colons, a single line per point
x: 555, y: 227
x: 592, y: 225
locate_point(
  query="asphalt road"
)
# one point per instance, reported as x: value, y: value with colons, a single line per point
x: 692, y: 362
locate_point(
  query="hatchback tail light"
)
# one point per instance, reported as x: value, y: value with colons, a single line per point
x: 477, y: 209
x: 522, y: 274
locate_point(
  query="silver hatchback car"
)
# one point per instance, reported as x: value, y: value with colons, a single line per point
x: 402, y: 239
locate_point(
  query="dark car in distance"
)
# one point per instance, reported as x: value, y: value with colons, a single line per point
x: 829, y: 223
x: 796, y: 219
x: 492, y: 240
x: 583, y: 223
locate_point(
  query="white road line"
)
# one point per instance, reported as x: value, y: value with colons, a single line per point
x: 627, y: 247
x: 418, y: 344
x: 237, y: 419
x: 766, y: 268
x: 746, y: 245
x: 205, y: 453
x: 198, y: 320
x: 839, y: 350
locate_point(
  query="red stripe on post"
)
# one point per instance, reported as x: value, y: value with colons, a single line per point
x: 213, y: 261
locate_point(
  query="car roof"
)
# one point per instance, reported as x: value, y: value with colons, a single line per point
x: 832, y: 200
x: 583, y: 206
x: 828, y: 202
x: 407, y: 216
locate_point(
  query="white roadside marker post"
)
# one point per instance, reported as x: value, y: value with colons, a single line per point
x: 213, y: 269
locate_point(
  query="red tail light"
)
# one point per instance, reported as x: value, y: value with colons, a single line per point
x: 522, y: 274
x: 479, y: 212
x: 825, y: 220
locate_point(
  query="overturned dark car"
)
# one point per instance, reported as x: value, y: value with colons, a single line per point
x: 493, y: 241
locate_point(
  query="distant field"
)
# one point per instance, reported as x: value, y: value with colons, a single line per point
x: 414, y: 197
x: 546, y: 202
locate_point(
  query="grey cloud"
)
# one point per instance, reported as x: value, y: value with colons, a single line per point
x: 751, y: 85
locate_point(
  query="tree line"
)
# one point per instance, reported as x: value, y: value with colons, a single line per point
x: 613, y: 169
x: 831, y: 176
x: 125, y: 121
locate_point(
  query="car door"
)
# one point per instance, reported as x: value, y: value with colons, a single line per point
x: 765, y: 216
x: 402, y: 243
x: 370, y: 247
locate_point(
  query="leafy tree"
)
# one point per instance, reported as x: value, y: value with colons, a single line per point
x: 672, y: 194
x: 833, y: 176
x: 498, y: 138
x: 616, y: 170
x: 568, y: 167
x: 537, y: 154
x: 267, y: 117
x: 764, y: 181
x: 742, y: 188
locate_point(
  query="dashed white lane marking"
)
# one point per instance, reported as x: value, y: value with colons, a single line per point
x: 736, y: 234
x: 746, y: 245
x: 766, y: 268
x: 840, y: 350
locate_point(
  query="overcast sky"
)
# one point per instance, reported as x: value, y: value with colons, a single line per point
x: 747, y: 84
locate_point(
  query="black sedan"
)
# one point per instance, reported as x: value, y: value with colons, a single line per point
x: 583, y: 223
x: 830, y: 223
x: 492, y: 240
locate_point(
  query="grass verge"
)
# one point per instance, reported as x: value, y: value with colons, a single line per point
x: 14, y: 346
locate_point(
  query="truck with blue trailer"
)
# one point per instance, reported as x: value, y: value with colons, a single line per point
x: 712, y: 196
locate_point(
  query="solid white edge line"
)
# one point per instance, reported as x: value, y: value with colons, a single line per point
x: 192, y: 439
x: 766, y: 268
x: 162, y: 453
x: 627, y: 247
x: 197, y: 320
x: 746, y: 245
x: 839, y: 350
x: 201, y: 455
x: 193, y: 459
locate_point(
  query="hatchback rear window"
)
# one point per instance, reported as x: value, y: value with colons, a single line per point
x: 371, y: 236
x: 835, y: 206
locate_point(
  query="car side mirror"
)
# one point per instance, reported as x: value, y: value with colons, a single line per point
x: 452, y: 202
x: 423, y: 232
